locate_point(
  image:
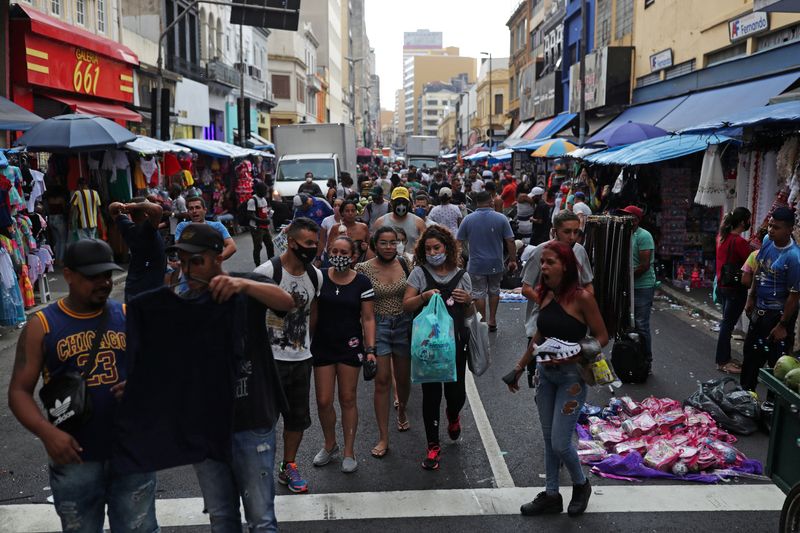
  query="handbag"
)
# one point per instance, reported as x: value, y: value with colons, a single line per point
x: 65, y: 397
x: 731, y: 275
x: 479, y: 355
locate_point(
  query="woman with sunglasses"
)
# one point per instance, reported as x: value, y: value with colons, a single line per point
x: 344, y: 339
x: 388, y: 272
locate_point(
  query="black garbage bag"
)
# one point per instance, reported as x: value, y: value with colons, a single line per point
x: 734, y: 409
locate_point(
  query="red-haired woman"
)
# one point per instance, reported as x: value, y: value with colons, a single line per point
x: 566, y: 313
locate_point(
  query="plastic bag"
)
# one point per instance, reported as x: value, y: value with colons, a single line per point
x: 280, y: 242
x: 433, y: 344
x: 479, y: 355
x: 724, y: 401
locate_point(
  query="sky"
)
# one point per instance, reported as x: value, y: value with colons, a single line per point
x: 474, y: 26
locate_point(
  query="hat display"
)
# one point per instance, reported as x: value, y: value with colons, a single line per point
x: 90, y: 257
x: 400, y: 193
x: 197, y: 238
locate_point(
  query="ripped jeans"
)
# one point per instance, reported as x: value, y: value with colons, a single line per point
x: 249, y: 476
x: 560, y: 394
x: 81, y: 492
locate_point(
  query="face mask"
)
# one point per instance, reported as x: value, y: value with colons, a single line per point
x: 309, y: 180
x: 420, y: 212
x: 340, y: 263
x: 306, y: 255
x: 436, y: 260
x: 401, y: 247
x: 400, y: 210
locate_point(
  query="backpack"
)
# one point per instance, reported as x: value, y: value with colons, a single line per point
x: 629, y: 358
x: 277, y: 272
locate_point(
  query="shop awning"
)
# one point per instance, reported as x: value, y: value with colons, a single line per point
x: 708, y: 105
x: 656, y: 150
x: 517, y: 134
x: 14, y: 117
x: 772, y: 114
x: 500, y: 155
x: 556, y: 125
x: 536, y: 129
x: 650, y: 113
x: 219, y: 148
x: 54, y: 28
x: 101, y: 109
x: 529, y: 145
x: 478, y: 156
x: 149, y: 146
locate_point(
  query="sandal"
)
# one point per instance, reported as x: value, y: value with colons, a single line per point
x: 730, y: 368
x: 403, y: 426
x: 492, y: 327
x: 379, y: 453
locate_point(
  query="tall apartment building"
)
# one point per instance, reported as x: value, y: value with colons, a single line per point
x: 434, y: 103
x: 420, y: 42
x: 326, y: 19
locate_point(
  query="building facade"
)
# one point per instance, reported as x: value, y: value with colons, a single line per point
x: 434, y: 103
x: 492, y: 98
x: 520, y: 57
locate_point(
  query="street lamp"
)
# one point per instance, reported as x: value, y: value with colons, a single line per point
x: 491, y: 96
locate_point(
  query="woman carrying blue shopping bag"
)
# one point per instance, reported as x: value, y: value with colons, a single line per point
x: 437, y: 272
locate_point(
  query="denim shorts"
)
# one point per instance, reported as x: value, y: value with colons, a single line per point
x: 483, y: 284
x: 393, y: 333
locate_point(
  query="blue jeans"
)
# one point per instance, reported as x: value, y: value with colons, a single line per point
x: 560, y: 394
x: 85, y: 233
x: 81, y: 492
x: 733, y: 302
x: 250, y: 476
x: 58, y: 231
x: 642, y: 305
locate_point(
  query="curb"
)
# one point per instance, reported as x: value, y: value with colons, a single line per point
x: 704, y: 310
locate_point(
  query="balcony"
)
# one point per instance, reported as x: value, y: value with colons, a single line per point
x: 186, y: 68
x: 313, y: 83
x: 222, y: 73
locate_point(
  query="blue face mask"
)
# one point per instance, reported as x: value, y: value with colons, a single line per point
x: 420, y: 212
x: 436, y: 260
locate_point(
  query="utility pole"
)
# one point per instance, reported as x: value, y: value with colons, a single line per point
x: 491, y: 97
x: 583, y: 44
x: 243, y: 135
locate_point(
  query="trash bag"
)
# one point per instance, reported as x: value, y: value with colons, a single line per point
x: 433, y: 344
x: 734, y: 409
x: 479, y: 355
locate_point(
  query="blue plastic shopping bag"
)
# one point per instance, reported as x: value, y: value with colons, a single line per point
x: 433, y: 344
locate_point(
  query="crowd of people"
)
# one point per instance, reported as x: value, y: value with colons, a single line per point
x: 341, y: 297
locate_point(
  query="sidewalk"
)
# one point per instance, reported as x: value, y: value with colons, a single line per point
x: 696, y: 300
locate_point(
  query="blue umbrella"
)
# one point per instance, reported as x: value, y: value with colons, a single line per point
x: 628, y: 133
x: 75, y: 133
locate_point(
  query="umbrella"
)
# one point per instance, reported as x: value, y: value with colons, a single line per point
x: 628, y: 133
x: 14, y: 117
x: 554, y: 148
x: 75, y: 133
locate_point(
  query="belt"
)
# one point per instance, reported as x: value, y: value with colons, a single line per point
x: 763, y: 312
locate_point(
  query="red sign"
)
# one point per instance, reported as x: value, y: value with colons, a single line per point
x: 57, y: 65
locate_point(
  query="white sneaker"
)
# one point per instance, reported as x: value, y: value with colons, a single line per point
x: 349, y: 465
x: 324, y: 456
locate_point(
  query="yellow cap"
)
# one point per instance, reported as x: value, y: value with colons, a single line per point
x: 400, y: 192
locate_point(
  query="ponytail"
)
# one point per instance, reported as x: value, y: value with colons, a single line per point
x: 731, y: 220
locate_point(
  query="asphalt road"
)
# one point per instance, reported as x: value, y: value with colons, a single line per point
x: 500, y: 446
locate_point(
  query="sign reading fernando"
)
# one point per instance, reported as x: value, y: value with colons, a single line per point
x: 748, y: 25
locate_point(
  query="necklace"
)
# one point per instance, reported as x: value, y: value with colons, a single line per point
x: 337, y: 290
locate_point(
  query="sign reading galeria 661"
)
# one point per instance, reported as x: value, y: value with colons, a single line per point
x: 77, y: 70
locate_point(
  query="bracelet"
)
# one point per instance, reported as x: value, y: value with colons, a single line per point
x: 370, y: 350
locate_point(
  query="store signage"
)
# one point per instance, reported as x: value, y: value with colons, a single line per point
x: 191, y: 103
x: 748, y: 25
x: 56, y: 65
x: 607, y: 75
x: 547, y: 95
x: 661, y: 60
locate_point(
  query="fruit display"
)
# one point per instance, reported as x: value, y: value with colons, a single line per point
x: 787, y: 369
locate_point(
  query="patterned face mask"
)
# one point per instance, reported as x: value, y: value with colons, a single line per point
x: 340, y: 263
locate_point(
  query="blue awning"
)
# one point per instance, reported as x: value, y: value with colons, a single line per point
x: 645, y: 114
x: 655, y: 150
x: 708, y: 105
x: 558, y: 123
x: 771, y: 114
x: 529, y: 145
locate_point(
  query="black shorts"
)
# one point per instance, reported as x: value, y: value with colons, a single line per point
x: 296, y: 381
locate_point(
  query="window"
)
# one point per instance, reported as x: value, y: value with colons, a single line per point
x: 726, y: 54
x: 101, y: 16
x: 679, y: 70
x: 431, y: 112
x: 498, y: 104
x: 80, y: 12
x: 430, y: 102
x: 603, y: 10
x: 649, y: 79
x: 624, y: 18
x: 301, y: 91
x: 512, y: 86
x: 55, y: 7
x: 778, y: 38
x: 281, y: 86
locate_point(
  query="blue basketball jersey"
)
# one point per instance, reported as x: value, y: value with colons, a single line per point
x: 67, y: 342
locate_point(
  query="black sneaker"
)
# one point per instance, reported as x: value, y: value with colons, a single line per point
x: 543, y: 504
x: 580, y: 499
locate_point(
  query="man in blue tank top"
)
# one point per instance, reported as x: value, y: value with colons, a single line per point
x: 58, y: 340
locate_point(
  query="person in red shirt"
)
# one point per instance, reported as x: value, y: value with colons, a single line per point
x: 509, y: 193
x: 732, y: 249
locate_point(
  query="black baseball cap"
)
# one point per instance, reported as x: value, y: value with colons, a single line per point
x: 90, y: 257
x: 197, y: 238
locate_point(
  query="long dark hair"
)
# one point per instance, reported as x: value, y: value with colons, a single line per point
x: 731, y: 220
x: 443, y: 235
x: 569, y: 281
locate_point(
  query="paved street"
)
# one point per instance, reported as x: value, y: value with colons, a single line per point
x: 495, y: 466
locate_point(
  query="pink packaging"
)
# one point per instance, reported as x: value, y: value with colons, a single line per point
x: 644, y: 421
x: 630, y: 407
x: 612, y: 436
x: 661, y: 456
x: 639, y: 445
x: 667, y: 421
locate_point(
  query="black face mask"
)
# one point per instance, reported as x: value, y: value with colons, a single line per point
x: 401, y: 209
x: 306, y: 255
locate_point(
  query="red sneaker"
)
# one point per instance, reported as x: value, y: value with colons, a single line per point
x: 431, y: 461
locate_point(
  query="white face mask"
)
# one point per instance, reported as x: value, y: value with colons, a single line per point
x: 401, y: 247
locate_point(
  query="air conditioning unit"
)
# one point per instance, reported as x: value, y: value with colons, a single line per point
x: 254, y: 71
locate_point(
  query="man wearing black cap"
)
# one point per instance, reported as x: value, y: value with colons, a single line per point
x: 228, y: 313
x: 773, y: 298
x: 60, y: 340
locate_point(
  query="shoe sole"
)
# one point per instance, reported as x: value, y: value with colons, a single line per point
x: 553, y: 511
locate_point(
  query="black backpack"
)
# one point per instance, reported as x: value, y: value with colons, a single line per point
x: 277, y: 272
x: 629, y: 358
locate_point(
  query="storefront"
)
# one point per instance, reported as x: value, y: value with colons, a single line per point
x: 57, y: 68
x: 191, y: 108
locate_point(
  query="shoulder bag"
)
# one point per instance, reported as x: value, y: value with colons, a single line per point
x: 731, y: 274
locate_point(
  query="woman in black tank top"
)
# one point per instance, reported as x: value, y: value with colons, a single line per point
x: 567, y: 312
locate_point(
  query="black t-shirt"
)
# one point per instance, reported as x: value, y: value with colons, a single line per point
x: 259, y: 395
x: 541, y: 231
x: 148, y: 260
x: 459, y: 198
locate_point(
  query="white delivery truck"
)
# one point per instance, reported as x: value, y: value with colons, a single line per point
x: 326, y: 150
x: 422, y: 150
